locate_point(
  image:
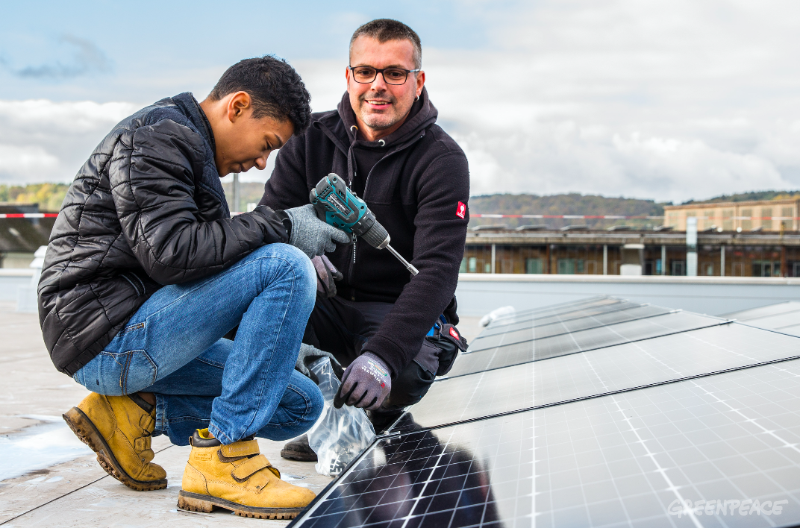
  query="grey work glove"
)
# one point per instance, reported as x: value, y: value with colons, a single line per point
x: 365, y: 383
x: 309, y: 354
x: 311, y: 235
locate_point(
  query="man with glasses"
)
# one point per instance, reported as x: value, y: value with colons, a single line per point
x: 384, y: 141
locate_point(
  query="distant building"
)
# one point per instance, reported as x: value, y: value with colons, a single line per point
x: 763, y: 215
x: 574, y: 252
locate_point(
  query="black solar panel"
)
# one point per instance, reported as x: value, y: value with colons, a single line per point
x: 503, y: 356
x: 601, y: 371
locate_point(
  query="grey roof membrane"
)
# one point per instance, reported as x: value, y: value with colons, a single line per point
x: 631, y: 432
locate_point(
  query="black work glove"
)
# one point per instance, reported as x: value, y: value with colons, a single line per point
x: 309, y: 354
x: 311, y: 235
x: 327, y: 274
x: 366, y: 383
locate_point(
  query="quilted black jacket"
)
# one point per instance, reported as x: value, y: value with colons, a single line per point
x: 146, y: 210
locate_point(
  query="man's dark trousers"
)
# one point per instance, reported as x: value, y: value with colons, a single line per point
x: 341, y: 327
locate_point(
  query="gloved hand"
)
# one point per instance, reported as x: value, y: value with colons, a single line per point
x: 310, y: 234
x: 365, y: 383
x: 308, y: 354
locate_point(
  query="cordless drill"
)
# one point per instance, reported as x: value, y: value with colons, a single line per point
x: 340, y: 207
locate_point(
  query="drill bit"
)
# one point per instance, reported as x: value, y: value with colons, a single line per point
x: 410, y: 267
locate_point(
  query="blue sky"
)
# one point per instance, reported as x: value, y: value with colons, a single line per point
x: 108, y: 51
x: 661, y: 99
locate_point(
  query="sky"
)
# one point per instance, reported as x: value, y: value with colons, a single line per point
x: 660, y: 99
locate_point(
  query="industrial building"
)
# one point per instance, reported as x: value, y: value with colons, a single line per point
x: 761, y: 215
x: 579, y: 251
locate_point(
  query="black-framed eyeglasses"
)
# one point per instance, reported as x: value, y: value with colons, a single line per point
x: 367, y: 74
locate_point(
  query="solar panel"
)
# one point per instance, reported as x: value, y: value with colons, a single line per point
x: 565, y: 327
x: 589, y: 374
x: 791, y: 330
x: 534, y: 321
x: 765, y: 311
x: 605, y: 413
x: 657, y: 456
x: 566, y: 309
x: 570, y: 305
x: 506, y: 355
x: 774, y: 322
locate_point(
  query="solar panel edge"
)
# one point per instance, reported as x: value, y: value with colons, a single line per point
x: 323, y: 494
x: 625, y: 390
x: 585, y: 329
x: 720, y: 323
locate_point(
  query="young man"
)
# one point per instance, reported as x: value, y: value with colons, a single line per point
x: 384, y: 142
x: 146, y: 271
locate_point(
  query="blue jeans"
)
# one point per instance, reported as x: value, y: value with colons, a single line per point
x: 173, y: 347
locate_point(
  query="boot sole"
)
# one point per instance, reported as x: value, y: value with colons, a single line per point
x: 86, y: 431
x: 206, y: 504
x: 300, y: 456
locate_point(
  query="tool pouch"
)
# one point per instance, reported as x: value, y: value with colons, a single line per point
x: 327, y: 274
x: 449, y: 341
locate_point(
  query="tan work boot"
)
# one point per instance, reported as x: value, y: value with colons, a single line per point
x: 238, y: 478
x: 119, y: 432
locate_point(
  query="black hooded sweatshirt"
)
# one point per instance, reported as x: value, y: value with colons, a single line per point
x: 416, y: 182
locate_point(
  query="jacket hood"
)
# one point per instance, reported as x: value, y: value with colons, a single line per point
x: 422, y: 115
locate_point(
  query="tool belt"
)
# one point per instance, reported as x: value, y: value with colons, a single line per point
x: 449, y: 341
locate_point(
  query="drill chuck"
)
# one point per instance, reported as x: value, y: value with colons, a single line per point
x: 371, y: 231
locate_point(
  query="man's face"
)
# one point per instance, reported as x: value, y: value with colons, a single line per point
x: 243, y: 142
x: 380, y: 107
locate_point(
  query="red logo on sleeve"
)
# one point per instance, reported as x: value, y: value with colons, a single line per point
x: 461, y: 210
x: 454, y: 333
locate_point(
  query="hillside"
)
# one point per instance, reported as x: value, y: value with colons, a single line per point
x: 563, y: 204
x: 748, y: 196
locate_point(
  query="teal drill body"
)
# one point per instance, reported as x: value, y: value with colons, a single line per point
x: 340, y: 207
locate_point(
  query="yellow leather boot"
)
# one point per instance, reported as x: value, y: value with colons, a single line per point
x: 119, y: 432
x: 238, y: 478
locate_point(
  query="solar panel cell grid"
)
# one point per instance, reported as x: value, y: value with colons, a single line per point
x: 475, y: 474
x: 634, y: 458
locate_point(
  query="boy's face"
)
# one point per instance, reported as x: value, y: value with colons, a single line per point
x: 244, y: 142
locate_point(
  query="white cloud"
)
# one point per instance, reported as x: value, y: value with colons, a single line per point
x: 43, y: 140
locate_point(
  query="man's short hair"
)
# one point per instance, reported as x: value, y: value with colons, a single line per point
x: 275, y: 88
x: 386, y: 29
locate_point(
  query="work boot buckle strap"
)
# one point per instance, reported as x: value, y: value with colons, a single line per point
x: 141, y: 444
x: 253, y: 466
x: 146, y: 422
x: 237, y: 450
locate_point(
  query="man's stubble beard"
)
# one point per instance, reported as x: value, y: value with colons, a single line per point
x: 376, y: 121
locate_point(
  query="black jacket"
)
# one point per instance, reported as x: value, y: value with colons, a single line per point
x: 414, y: 190
x: 146, y: 210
